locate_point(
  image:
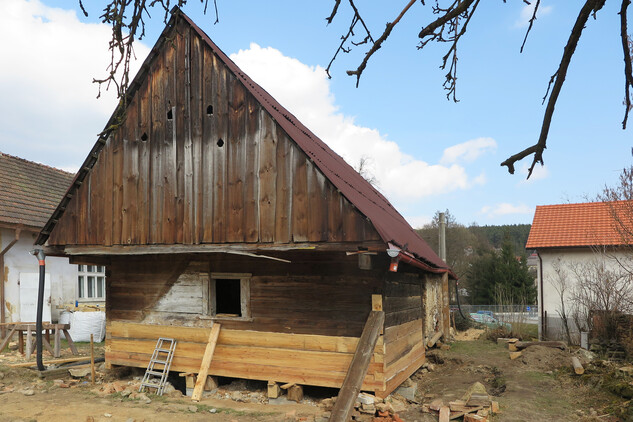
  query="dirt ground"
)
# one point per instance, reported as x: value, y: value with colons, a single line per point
x: 538, y: 386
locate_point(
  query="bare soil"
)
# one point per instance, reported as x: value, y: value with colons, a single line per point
x: 538, y: 386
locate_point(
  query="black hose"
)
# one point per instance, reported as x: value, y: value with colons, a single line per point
x: 41, y: 257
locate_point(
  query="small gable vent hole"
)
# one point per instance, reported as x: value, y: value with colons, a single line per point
x: 144, y: 137
x: 220, y: 143
x: 209, y: 110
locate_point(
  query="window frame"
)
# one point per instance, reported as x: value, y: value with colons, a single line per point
x: 83, y: 275
x: 245, y: 296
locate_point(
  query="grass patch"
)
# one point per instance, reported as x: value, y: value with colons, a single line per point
x: 477, y: 346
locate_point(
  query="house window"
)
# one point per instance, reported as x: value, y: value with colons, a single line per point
x: 91, y: 283
x: 230, y: 295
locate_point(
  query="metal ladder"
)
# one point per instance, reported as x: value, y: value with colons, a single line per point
x: 157, y: 377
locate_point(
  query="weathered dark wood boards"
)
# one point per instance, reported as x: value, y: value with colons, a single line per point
x: 196, y: 160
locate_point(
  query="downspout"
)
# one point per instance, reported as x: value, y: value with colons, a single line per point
x: 540, y: 288
x: 41, y: 258
x: 2, y: 299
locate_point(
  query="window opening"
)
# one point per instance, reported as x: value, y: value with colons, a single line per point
x: 170, y: 114
x: 91, y: 283
x: 209, y: 110
x: 229, y: 295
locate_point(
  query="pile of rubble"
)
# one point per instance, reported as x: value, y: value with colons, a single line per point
x: 475, y: 405
x: 369, y: 408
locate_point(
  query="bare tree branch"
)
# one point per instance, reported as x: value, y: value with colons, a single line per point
x: 627, y: 45
x: 378, y: 43
x: 532, y: 19
x: 330, y: 18
x: 556, y: 82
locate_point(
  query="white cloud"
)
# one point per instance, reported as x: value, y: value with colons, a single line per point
x: 540, y: 172
x: 50, y: 59
x: 305, y: 91
x: 505, y: 209
x: 468, y: 151
x: 418, y: 221
x: 528, y: 10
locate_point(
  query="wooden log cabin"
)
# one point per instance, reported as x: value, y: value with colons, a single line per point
x: 209, y: 201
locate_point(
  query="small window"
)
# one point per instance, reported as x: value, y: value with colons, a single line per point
x: 229, y: 295
x: 91, y: 283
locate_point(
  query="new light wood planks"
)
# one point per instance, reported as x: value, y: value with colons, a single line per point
x: 206, y: 362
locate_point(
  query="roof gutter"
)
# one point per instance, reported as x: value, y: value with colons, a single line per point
x: 398, y: 255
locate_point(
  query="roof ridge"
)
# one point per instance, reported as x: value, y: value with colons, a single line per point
x: 4, y: 154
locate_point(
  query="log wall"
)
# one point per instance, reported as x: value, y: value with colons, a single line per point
x: 404, y: 337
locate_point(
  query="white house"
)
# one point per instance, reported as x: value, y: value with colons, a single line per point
x: 580, y: 252
x: 29, y: 193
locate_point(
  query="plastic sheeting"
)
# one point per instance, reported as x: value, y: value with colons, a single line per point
x: 82, y: 324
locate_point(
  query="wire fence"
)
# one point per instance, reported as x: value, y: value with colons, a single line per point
x: 508, y: 313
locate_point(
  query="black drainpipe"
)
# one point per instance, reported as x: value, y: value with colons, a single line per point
x: 540, y: 292
x: 41, y: 257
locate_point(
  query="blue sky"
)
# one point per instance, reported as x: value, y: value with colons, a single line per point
x: 427, y: 153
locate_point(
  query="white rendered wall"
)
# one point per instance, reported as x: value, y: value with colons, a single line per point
x: 63, y: 276
x: 551, y: 297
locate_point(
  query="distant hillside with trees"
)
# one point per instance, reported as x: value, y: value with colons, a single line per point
x: 490, y: 261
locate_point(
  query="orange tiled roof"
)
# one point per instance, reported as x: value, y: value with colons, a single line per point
x: 29, y: 192
x: 569, y: 225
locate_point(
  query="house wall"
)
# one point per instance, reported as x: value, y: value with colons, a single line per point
x: 551, y: 302
x: 306, y: 316
x: 63, y: 276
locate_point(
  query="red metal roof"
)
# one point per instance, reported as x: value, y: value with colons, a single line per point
x: 390, y: 225
x: 29, y: 192
x: 573, y: 225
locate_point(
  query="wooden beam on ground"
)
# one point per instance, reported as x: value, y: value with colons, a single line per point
x: 520, y: 345
x: 445, y: 414
x: 206, y: 362
x: 273, y: 390
x: 49, y: 362
x: 358, y: 367
x: 578, y: 369
x: 434, y: 339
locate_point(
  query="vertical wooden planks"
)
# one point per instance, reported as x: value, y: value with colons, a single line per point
x: 220, y: 151
x: 173, y: 176
x: 129, y: 231
x: 251, y: 168
x: 99, y: 202
x: 317, y: 204
x: 299, y: 199
x: 106, y: 160
x: 283, y: 203
x: 335, y: 213
x: 236, y: 161
x: 156, y: 140
x: 267, y: 176
x: 208, y: 144
x: 143, y: 104
x: 117, y: 184
x: 185, y: 220
x: 196, y: 119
